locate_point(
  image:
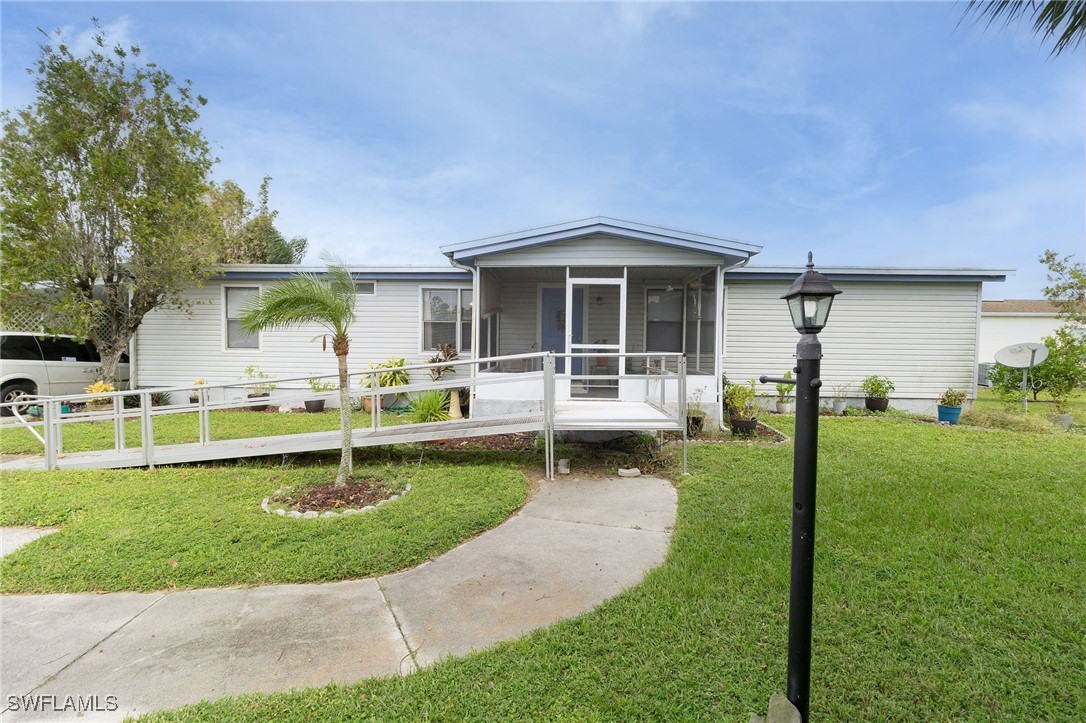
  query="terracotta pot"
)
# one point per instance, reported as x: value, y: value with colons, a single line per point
x: 386, y: 401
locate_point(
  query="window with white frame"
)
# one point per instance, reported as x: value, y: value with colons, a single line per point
x: 446, y: 319
x: 236, y: 299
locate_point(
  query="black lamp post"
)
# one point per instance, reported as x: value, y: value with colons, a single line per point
x: 809, y: 300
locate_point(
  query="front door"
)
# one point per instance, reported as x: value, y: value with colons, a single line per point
x: 553, y: 320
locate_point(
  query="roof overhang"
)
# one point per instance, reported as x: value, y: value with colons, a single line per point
x: 468, y: 253
x: 275, y: 272
x: 872, y: 273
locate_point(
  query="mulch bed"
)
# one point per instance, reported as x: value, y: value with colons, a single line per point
x: 519, y: 442
x: 357, y: 494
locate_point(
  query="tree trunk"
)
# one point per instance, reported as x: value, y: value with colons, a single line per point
x: 344, y: 419
x: 108, y: 371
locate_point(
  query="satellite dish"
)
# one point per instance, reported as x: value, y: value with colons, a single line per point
x: 1021, y: 356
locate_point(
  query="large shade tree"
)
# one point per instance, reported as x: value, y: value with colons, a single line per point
x: 327, y: 301
x: 1061, y: 22
x: 101, y: 180
x: 245, y: 234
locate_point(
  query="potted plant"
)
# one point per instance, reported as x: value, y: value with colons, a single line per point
x: 194, y: 398
x: 446, y: 354
x: 741, y: 401
x: 319, y: 386
x: 784, y: 395
x: 695, y: 415
x: 877, y: 390
x: 99, y: 404
x: 395, y: 377
x: 258, y: 387
x: 950, y: 405
x: 840, y: 398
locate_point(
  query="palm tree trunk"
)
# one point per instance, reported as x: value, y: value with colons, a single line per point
x: 344, y: 422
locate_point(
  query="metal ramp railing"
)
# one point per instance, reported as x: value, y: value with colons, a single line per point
x: 657, y: 413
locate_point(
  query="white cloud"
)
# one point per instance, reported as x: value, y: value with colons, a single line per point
x: 1056, y: 115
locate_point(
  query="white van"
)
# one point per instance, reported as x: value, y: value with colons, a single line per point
x: 49, y: 366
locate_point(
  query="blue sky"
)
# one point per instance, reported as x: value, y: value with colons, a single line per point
x: 871, y: 133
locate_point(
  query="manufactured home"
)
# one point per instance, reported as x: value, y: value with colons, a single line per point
x: 619, y: 302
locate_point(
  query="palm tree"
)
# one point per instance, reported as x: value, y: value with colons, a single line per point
x: 1063, y: 21
x: 328, y: 301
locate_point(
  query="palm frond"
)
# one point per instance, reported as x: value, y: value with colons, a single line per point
x: 1061, y: 21
x: 326, y: 300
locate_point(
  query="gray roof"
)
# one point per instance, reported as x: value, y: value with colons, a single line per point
x: 467, y: 252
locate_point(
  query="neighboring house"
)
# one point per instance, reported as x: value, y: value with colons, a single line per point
x: 594, y: 287
x: 1014, y: 321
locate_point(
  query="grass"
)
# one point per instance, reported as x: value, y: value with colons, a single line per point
x: 203, y: 527
x: 1042, y: 407
x: 948, y: 587
x: 183, y: 428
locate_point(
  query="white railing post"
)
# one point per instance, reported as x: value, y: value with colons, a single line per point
x: 118, y: 424
x: 48, y: 412
x: 548, y: 412
x: 682, y: 405
x: 58, y: 436
x: 202, y: 415
x: 148, y: 430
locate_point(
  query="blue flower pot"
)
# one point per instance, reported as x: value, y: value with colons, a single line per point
x: 949, y: 414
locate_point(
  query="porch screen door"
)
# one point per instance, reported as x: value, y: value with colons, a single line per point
x: 604, y: 332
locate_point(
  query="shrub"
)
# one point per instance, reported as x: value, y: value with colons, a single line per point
x: 784, y: 391
x: 740, y: 399
x: 877, y: 387
x: 431, y: 406
x: 952, y: 398
x: 319, y: 386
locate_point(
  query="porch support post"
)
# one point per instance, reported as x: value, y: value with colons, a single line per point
x: 718, y: 343
x: 548, y: 412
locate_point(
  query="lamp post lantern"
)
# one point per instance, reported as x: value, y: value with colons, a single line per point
x: 809, y: 300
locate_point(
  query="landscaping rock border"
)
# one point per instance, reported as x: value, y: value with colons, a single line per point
x: 313, y: 514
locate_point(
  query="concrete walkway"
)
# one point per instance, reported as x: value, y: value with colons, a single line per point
x: 575, y: 544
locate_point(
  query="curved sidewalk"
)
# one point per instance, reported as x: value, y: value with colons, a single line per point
x: 575, y: 544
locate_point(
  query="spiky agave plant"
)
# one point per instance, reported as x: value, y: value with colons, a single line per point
x: 431, y: 406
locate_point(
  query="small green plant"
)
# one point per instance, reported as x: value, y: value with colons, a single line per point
x: 952, y: 398
x: 396, y: 377
x: 784, y: 391
x: 256, y: 381
x: 877, y: 387
x: 320, y: 386
x: 741, y: 399
x: 431, y: 406
x: 445, y: 354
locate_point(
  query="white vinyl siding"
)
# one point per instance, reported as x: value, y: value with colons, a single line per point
x: 1000, y: 330
x: 920, y: 335
x: 600, y: 251
x: 175, y: 348
x: 235, y: 298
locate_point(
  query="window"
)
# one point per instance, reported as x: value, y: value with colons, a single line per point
x: 236, y: 299
x: 59, y: 348
x: 17, y: 347
x: 365, y: 288
x: 664, y: 319
x: 446, y: 319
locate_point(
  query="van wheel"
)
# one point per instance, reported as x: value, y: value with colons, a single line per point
x: 12, y: 393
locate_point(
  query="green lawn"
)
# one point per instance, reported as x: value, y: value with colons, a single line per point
x: 203, y: 527
x: 184, y: 427
x: 1043, y: 407
x: 948, y: 587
